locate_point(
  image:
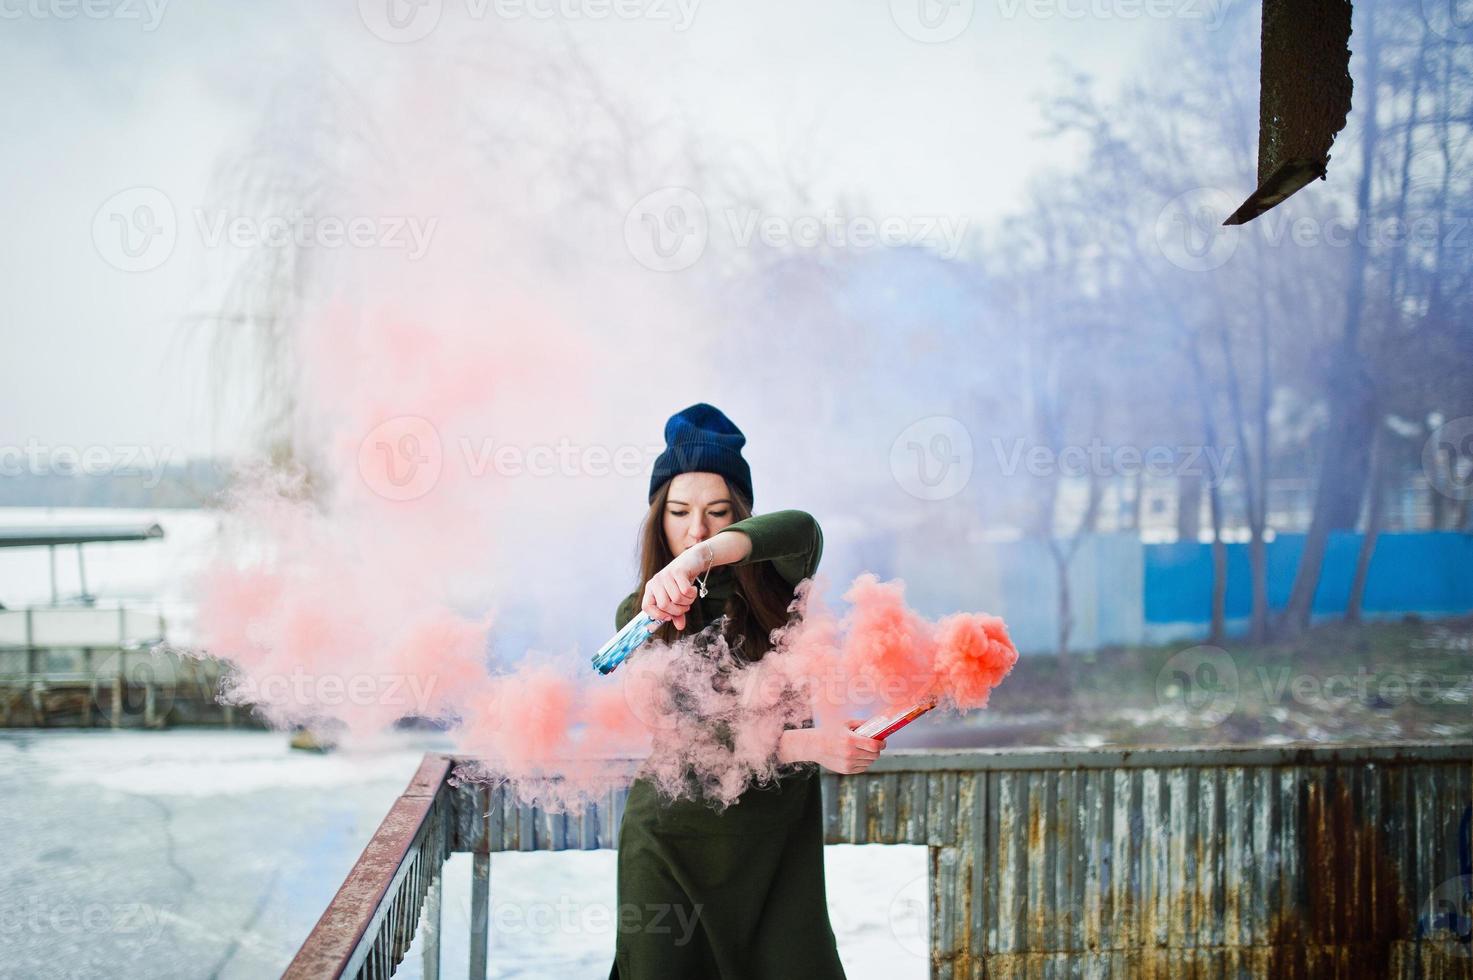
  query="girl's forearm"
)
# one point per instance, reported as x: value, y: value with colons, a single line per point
x: 792, y: 746
x: 723, y: 548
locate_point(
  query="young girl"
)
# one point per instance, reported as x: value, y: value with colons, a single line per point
x: 737, y: 895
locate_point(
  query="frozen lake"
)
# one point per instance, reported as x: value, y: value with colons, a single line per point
x: 200, y: 853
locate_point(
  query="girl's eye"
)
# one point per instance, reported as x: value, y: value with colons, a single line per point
x: 719, y: 513
x: 677, y: 513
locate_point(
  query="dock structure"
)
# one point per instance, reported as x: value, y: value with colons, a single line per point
x: 1284, y: 861
x: 93, y: 666
x: 76, y: 661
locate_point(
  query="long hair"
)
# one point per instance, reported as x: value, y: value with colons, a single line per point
x: 758, y: 604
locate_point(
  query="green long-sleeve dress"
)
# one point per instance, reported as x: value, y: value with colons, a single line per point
x: 738, y: 895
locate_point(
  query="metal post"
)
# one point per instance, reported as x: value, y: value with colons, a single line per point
x: 480, y: 913
x: 431, y: 926
x: 51, y: 554
x: 120, y: 683
x: 82, y: 570
x: 941, y: 882
x: 89, y: 659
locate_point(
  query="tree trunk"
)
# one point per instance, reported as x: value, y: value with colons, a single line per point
x: 1218, y: 630
x: 1373, y: 526
x: 1188, y: 506
x: 1066, y: 619
x: 1255, y: 486
x: 1257, y: 550
x: 1436, y: 500
x: 1063, y: 553
x: 1218, y: 633
x: 1342, y: 481
x: 1255, y: 503
x: 1343, y: 461
x: 1258, y: 565
x: 1258, y: 568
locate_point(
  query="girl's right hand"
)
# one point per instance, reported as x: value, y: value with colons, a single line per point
x: 670, y: 594
x: 843, y: 752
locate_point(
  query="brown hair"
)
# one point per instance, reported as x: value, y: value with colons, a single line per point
x: 758, y: 603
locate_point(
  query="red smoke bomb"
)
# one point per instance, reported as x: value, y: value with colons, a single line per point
x: 881, y: 726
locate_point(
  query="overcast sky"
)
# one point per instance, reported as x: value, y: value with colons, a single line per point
x: 923, y: 116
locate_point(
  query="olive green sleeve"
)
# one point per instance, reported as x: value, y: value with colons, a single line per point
x: 626, y: 612
x: 790, y: 539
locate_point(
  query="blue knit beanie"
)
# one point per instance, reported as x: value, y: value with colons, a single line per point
x: 701, y: 439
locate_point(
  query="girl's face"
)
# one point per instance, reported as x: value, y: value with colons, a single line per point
x: 697, y: 506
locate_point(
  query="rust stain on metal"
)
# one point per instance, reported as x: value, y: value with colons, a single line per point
x: 1344, y: 920
x: 874, y: 790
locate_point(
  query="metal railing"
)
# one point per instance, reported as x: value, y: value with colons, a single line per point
x: 1284, y: 861
x: 373, y: 918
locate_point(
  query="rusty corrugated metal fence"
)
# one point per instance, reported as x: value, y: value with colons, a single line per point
x: 1289, y: 861
x: 1279, y: 862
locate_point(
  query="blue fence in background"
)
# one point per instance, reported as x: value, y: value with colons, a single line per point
x: 1125, y: 592
x: 1429, y: 573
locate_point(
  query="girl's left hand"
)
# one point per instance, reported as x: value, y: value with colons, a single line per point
x: 838, y: 751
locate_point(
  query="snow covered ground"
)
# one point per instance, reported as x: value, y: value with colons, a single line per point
x: 196, y: 854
